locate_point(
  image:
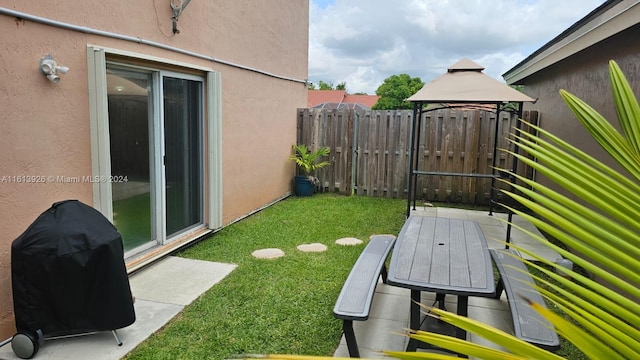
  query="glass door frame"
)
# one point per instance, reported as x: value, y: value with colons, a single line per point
x: 99, y: 130
x: 153, y: 117
x: 164, y: 239
x: 157, y: 173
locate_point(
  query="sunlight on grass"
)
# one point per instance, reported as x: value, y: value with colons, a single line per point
x: 133, y: 219
x: 275, y: 306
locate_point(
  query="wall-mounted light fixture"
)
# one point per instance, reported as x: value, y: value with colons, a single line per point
x: 177, y: 7
x: 50, y: 68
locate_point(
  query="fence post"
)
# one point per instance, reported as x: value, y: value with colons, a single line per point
x: 354, y: 117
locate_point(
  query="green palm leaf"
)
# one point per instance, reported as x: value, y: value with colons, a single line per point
x: 588, y: 264
x: 588, y: 344
x: 569, y: 226
x: 604, y: 133
x: 506, y: 340
x: 579, y: 297
x: 603, y: 192
x: 307, y: 160
x: 627, y: 107
x: 609, y: 328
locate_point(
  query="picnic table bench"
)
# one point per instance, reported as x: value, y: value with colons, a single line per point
x: 517, y: 283
x: 356, y: 296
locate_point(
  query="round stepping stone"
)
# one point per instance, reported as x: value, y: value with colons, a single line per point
x: 315, y: 247
x: 270, y: 253
x: 348, y: 241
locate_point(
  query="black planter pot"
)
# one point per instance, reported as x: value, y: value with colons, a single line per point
x: 303, y: 186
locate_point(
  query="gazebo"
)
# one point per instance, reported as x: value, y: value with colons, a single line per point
x: 463, y: 85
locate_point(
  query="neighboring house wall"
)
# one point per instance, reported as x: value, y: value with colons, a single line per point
x: 585, y: 75
x: 578, y: 62
x: 46, y: 128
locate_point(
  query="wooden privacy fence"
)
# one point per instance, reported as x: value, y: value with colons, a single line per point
x: 370, y: 151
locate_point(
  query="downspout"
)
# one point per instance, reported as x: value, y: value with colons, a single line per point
x: 86, y: 30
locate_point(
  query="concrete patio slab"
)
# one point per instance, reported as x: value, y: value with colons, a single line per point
x: 177, y: 280
x: 521, y: 235
x: 161, y: 291
x: 389, y: 316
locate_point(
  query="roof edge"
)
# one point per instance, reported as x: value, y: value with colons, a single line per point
x: 579, y: 36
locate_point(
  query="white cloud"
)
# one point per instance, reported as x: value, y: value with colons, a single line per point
x: 363, y: 42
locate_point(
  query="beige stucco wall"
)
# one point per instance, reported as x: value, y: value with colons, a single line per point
x: 45, y: 126
x: 585, y: 75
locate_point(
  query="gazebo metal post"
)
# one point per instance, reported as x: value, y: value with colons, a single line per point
x: 416, y: 159
x: 410, y: 176
x: 493, y: 161
x: 514, y: 167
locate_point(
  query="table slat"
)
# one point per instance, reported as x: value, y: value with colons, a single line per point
x: 459, y: 262
x: 424, y: 239
x: 405, y: 255
x: 442, y: 255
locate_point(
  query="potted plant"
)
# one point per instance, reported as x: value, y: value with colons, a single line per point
x: 307, y: 163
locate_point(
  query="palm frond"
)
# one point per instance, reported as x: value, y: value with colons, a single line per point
x: 627, y: 107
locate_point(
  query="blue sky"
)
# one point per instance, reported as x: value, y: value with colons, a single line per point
x: 362, y: 42
x: 323, y: 3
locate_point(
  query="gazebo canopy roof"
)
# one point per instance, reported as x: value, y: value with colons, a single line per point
x: 464, y: 82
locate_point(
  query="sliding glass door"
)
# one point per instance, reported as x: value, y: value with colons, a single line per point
x: 131, y: 118
x: 183, y: 153
x: 156, y: 144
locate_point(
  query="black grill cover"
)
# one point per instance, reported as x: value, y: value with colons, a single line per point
x: 68, y: 273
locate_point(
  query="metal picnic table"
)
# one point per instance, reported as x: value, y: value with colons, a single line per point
x: 444, y: 256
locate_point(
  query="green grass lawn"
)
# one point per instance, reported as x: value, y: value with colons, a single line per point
x: 275, y: 306
x: 132, y: 217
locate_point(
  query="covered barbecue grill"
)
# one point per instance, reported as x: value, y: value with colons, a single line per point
x: 68, y: 277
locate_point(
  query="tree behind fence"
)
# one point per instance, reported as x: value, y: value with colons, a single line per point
x: 370, y: 151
